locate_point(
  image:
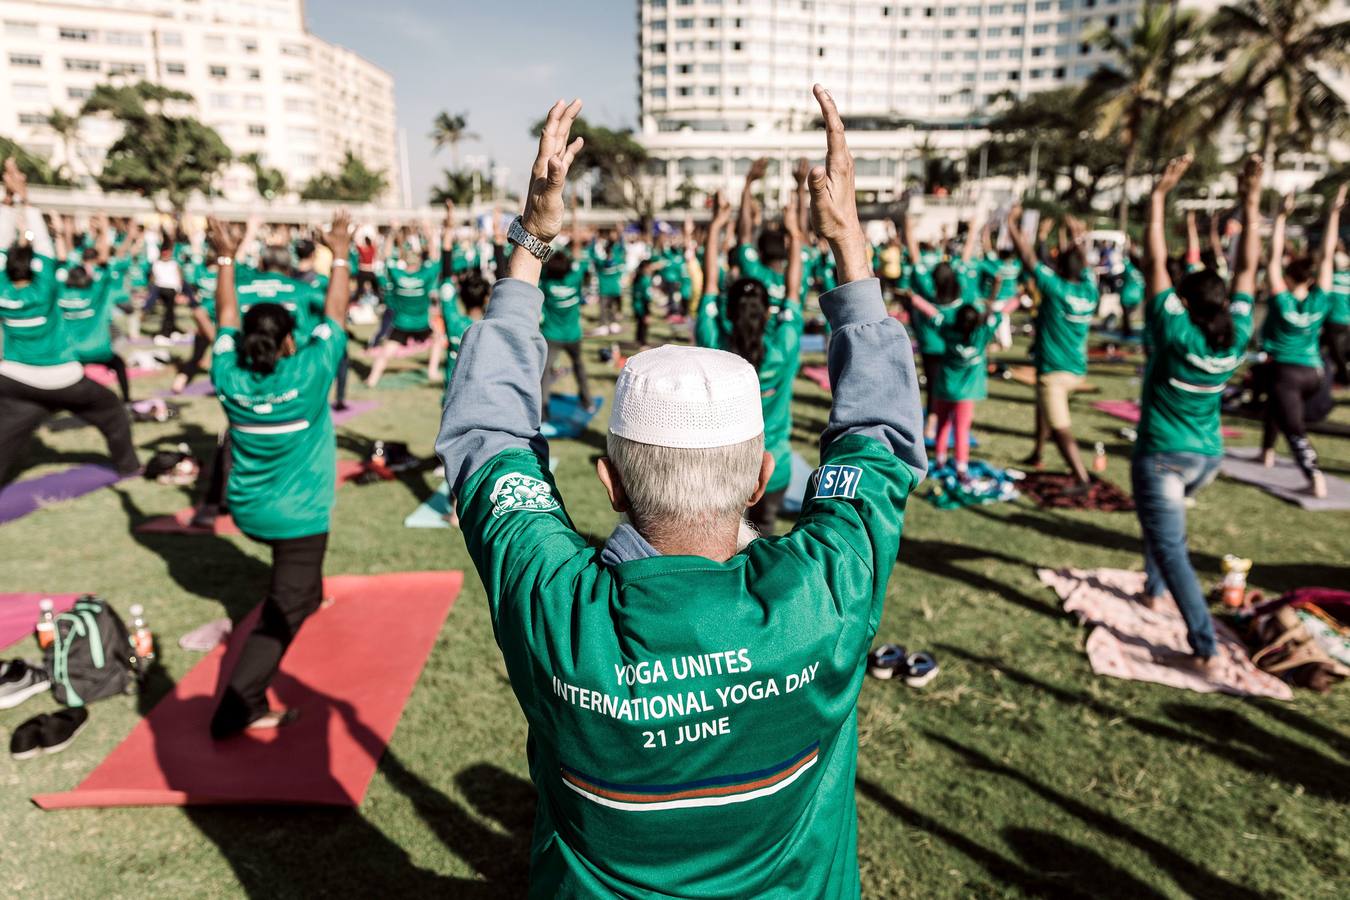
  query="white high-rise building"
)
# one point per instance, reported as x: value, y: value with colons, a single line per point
x: 724, y: 81
x: 258, y: 77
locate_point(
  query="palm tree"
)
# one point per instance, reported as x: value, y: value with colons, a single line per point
x: 1131, y: 95
x: 447, y: 131
x: 1275, y: 54
x: 67, y: 129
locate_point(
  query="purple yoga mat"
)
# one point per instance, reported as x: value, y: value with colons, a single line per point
x: 22, y: 497
x: 19, y: 613
x: 354, y: 409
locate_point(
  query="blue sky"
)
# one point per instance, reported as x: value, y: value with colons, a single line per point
x: 503, y: 62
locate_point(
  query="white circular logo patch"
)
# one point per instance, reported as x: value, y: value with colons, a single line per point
x: 521, y: 493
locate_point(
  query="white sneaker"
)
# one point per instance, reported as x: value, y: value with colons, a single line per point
x: 21, y: 681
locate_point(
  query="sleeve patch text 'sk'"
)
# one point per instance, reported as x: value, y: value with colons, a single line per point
x: 840, y: 482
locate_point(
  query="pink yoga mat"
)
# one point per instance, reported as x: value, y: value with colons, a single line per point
x: 1128, y: 411
x: 19, y: 614
x: 349, y: 673
x: 106, y: 377
x: 819, y: 374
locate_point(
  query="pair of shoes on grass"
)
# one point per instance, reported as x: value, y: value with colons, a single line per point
x: 20, y: 681
x: 47, y: 733
x: 893, y: 662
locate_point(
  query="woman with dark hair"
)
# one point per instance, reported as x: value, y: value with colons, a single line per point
x: 283, y: 460
x: 1300, y: 299
x: 765, y: 335
x: 40, y: 373
x: 86, y: 305
x: 1198, y: 340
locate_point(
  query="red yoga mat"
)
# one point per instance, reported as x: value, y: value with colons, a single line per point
x: 1128, y: 411
x: 349, y: 673
x: 19, y: 615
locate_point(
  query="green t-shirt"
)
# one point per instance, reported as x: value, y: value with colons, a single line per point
x: 118, y: 290
x: 1062, y: 321
x: 284, y: 470
x: 456, y: 324
x: 993, y: 268
x: 410, y: 294
x: 928, y: 335
x: 964, y: 373
x: 642, y: 295
x: 303, y: 301
x: 1339, y: 314
x: 1185, y: 379
x: 561, y: 320
x: 746, y: 258
x: 463, y: 258
x: 711, y: 325
x: 609, y: 261
x: 1132, y: 291
x: 34, y: 330
x: 88, y: 315
x: 692, y: 724
x: 777, y: 374
x: 1293, y: 328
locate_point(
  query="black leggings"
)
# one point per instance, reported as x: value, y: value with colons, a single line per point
x: 23, y: 408
x: 932, y: 371
x: 294, y: 594
x: 366, y: 281
x: 1334, y: 340
x: 574, y: 353
x: 118, y: 366
x: 193, y: 367
x: 1290, y: 389
x: 167, y: 298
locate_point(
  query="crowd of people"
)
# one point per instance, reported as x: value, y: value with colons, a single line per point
x: 699, y: 449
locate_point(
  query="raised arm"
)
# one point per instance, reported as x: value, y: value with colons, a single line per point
x: 25, y: 224
x: 745, y: 221
x: 1192, y: 239
x: 972, y: 241
x: 494, y: 402
x: 1326, y: 268
x: 338, y: 239
x: 911, y: 240
x: 1020, y: 241
x: 1156, y: 279
x: 226, y: 243
x: 803, y: 199
x: 793, y: 277
x: 102, y: 239
x: 448, y: 229
x: 1249, y: 250
x: 1275, y: 270
x: 870, y: 354
x: 712, y: 244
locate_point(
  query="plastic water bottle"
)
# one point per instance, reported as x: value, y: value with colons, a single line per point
x: 46, y: 624
x: 1099, y: 459
x: 142, y: 638
x: 1234, y: 583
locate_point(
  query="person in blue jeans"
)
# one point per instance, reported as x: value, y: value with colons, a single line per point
x: 1198, y: 335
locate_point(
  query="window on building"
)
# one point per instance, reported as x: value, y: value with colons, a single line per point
x: 175, y: 68
x: 218, y: 72
x: 124, y: 38
x: 25, y: 61
x: 215, y: 42
x: 248, y: 45
x: 171, y: 38
x: 32, y: 118
x: 126, y: 68
x: 21, y: 28
x: 79, y: 93
x: 253, y: 74
x: 80, y: 35
x: 83, y: 65
x: 221, y: 101
x: 257, y: 131
x: 28, y: 90
x: 300, y: 51
x: 253, y: 101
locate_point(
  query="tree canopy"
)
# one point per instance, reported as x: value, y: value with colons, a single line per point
x: 618, y: 162
x: 34, y: 167
x: 353, y: 182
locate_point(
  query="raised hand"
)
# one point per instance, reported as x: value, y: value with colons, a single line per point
x: 1249, y: 183
x: 801, y: 171
x: 1287, y: 204
x: 721, y: 210
x: 1171, y: 175
x: 224, y: 237
x: 338, y: 236
x: 834, y: 207
x: 1338, y: 202
x: 543, y: 214
x: 758, y: 168
x: 16, y: 183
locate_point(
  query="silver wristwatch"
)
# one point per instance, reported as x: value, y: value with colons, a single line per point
x: 531, y: 244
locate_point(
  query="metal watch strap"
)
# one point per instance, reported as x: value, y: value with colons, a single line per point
x: 531, y: 244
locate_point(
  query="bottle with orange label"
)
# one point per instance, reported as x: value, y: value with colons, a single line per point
x: 142, y: 638
x: 1099, y: 458
x: 46, y: 624
x: 1234, y: 584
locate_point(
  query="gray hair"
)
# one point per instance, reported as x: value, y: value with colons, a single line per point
x: 671, y: 488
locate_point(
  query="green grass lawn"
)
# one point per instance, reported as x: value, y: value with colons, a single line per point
x: 1015, y: 773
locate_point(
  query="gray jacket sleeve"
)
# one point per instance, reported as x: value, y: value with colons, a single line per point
x: 876, y: 391
x: 494, y: 398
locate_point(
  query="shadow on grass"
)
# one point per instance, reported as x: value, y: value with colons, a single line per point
x: 1224, y: 733
x: 1193, y: 878
x: 941, y: 558
x: 289, y: 851
x: 1074, y: 870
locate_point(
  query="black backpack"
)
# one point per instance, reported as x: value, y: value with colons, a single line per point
x: 92, y: 656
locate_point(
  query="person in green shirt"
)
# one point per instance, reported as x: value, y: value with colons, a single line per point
x: 410, y: 290
x: 691, y: 698
x: 643, y: 279
x: 610, y: 260
x: 765, y: 257
x: 1068, y: 300
x: 1199, y: 338
x: 281, y: 484
x: 1131, y: 291
x: 87, y: 309
x: 1300, y: 300
x: 966, y: 330
x: 560, y: 324
x: 40, y: 373
x: 770, y: 342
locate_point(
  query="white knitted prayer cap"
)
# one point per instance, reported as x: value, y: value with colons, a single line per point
x: 692, y: 398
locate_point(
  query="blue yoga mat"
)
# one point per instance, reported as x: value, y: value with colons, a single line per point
x: 432, y: 513
x: 812, y: 343
x: 567, y: 418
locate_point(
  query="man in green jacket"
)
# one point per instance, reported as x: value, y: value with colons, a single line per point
x: 692, y: 699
